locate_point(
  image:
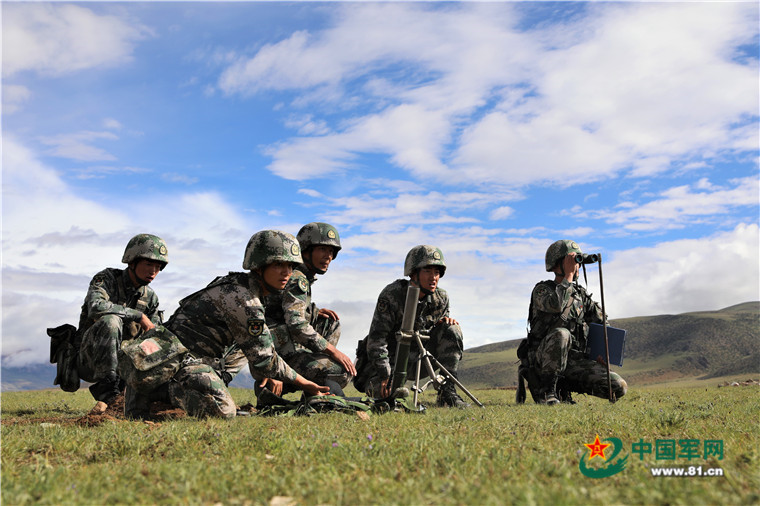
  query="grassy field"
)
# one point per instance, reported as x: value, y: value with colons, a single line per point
x: 501, y: 454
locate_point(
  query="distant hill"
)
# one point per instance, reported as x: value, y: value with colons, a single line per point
x: 661, y: 348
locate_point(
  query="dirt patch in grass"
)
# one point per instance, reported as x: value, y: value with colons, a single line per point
x: 159, y: 411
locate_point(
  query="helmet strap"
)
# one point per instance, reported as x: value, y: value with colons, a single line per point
x: 416, y: 282
x: 259, y: 276
x: 307, y: 261
x: 136, y: 280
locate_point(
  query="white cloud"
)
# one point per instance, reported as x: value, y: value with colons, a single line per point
x: 55, y: 238
x: 14, y: 96
x: 174, y: 177
x: 78, y: 146
x: 311, y: 193
x: 626, y: 87
x: 380, y: 210
x: 501, y: 213
x: 683, y: 205
x: 61, y: 38
x: 104, y: 171
x: 111, y: 124
x: 635, y: 84
x: 685, y: 275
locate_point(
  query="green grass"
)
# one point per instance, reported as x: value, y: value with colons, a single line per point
x: 501, y: 454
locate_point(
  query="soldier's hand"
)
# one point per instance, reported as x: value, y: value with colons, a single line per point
x: 273, y: 386
x: 310, y: 387
x: 570, y: 267
x: 329, y: 313
x: 385, y: 388
x: 447, y: 321
x: 145, y: 323
x: 341, y: 358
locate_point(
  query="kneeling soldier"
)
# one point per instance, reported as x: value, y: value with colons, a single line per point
x: 305, y: 335
x: 227, y: 315
x: 425, y: 266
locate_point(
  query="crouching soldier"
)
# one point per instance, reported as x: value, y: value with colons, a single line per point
x: 224, y: 320
x: 553, y: 357
x: 119, y: 306
x: 305, y: 335
x: 376, y: 354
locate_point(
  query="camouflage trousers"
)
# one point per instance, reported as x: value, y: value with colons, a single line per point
x: 98, y: 359
x: 200, y: 391
x: 446, y: 344
x: 316, y: 367
x: 555, y: 356
x: 199, y: 388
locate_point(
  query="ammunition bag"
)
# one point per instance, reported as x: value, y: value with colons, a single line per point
x: 151, y: 360
x: 64, y: 352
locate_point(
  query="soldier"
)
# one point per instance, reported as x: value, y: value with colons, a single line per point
x: 559, y: 314
x: 228, y: 315
x: 307, y: 336
x: 119, y: 305
x: 425, y: 266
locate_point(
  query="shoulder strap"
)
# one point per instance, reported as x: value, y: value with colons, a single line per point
x: 232, y: 277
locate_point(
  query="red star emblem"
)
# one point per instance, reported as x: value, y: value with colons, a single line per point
x: 597, y: 449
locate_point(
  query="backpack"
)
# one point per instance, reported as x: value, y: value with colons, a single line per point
x: 150, y: 360
x: 274, y: 405
x: 362, y: 369
x: 64, y: 352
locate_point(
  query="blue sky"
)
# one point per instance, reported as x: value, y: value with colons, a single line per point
x: 487, y: 129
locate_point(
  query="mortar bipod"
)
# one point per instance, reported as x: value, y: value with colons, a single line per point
x: 438, y: 380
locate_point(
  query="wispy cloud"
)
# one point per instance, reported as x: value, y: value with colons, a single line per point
x: 78, y: 146
x: 681, y: 205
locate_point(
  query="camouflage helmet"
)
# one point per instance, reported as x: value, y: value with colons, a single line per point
x: 559, y: 250
x: 319, y: 234
x: 423, y: 256
x: 269, y: 246
x: 147, y: 246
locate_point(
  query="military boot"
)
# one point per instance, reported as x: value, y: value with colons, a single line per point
x: 448, y: 397
x: 548, y: 390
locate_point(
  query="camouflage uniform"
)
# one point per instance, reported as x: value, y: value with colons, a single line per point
x: 559, y: 318
x: 225, y: 320
x: 445, y: 343
x: 301, y: 335
x: 223, y: 324
x: 111, y: 311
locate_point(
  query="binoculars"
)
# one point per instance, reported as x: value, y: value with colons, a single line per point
x: 586, y: 258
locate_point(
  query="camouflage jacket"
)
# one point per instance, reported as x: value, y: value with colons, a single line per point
x: 562, y: 305
x: 389, y: 313
x: 111, y: 292
x: 293, y: 307
x: 229, y: 312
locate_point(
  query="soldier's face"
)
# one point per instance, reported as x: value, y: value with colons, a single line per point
x: 277, y: 274
x: 428, y: 278
x: 147, y: 270
x: 321, y: 256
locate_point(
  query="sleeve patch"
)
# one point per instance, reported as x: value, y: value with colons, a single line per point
x: 382, y: 305
x: 255, y: 326
x: 303, y: 285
